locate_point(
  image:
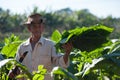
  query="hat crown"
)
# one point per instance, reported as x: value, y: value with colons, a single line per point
x: 35, y: 18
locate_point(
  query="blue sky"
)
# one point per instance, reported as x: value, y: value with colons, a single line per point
x: 100, y: 8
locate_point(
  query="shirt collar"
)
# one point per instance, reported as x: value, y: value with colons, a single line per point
x: 41, y: 41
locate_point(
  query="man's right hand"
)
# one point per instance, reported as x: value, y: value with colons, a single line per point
x: 14, y: 72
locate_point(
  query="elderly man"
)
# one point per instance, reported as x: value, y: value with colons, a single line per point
x: 41, y: 51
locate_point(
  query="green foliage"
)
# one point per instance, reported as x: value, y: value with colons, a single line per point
x: 98, y: 64
x: 56, y: 36
x: 39, y: 75
x: 8, y: 64
x: 11, y: 44
x: 104, y: 64
x: 63, y: 19
x: 86, y: 38
x: 57, y: 71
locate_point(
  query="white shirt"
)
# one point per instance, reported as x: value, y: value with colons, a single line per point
x: 44, y: 53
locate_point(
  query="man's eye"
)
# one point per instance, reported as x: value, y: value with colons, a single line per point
x: 41, y: 20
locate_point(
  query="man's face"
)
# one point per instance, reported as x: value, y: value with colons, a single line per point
x: 36, y: 29
x: 35, y: 24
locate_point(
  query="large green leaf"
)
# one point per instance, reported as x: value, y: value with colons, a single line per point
x: 109, y: 63
x: 63, y: 72
x: 10, y: 49
x: 88, y: 66
x: 5, y: 61
x: 56, y: 36
x: 14, y: 62
x: 39, y: 75
x: 11, y: 39
x: 115, y: 46
x: 87, y: 38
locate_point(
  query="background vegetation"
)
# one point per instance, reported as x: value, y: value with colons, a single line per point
x: 63, y: 19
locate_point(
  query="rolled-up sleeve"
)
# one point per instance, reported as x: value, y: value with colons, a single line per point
x: 57, y: 59
x: 62, y: 62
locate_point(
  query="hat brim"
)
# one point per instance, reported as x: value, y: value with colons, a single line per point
x: 27, y: 23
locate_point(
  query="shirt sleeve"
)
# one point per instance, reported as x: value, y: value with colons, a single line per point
x: 57, y: 59
x: 62, y: 62
x: 18, y: 53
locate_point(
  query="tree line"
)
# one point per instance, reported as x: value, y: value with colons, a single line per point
x: 63, y: 19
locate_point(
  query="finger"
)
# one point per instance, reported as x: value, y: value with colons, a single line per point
x: 18, y: 71
x: 11, y: 75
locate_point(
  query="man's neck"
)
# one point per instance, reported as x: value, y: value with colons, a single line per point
x: 34, y: 39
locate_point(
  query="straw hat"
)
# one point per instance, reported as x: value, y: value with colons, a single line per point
x: 34, y: 19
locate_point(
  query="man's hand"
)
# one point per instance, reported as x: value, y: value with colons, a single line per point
x: 14, y: 72
x: 67, y: 47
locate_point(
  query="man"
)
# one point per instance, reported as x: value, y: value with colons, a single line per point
x: 41, y: 51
